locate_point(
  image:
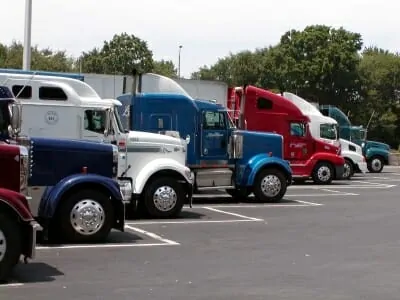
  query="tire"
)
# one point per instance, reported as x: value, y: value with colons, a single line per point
x: 69, y: 224
x: 239, y: 194
x: 260, y: 189
x: 375, y: 164
x: 10, y: 245
x: 323, y: 173
x: 348, y: 169
x: 171, y: 207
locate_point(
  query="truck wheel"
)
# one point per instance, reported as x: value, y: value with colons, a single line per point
x: 348, y: 169
x: 10, y: 245
x: 270, y: 186
x: 86, y: 216
x: 322, y: 173
x: 239, y: 194
x: 375, y: 164
x: 164, y: 198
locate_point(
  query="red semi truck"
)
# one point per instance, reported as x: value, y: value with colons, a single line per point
x: 257, y: 109
x: 17, y: 225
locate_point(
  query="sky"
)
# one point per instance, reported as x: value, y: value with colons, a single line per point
x: 207, y: 29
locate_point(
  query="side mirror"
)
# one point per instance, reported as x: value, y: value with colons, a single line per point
x: 107, y: 122
x: 187, y: 139
x: 16, y: 119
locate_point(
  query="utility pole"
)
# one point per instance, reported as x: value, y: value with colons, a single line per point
x: 179, y: 62
x: 26, y: 64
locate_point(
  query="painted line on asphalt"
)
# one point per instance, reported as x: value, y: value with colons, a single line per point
x: 192, y: 222
x: 152, y: 235
x: 309, y: 203
x: 339, y: 193
x: 286, y: 195
x: 11, y: 285
x: 232, y: 214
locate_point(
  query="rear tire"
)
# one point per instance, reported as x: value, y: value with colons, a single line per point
x: 86, y: 216
x: 164, y: 197
x: 323, y: 173
x: 270, y: 186
x: 10, y: 245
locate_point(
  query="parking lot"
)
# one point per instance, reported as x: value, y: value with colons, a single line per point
x: 340, y: 241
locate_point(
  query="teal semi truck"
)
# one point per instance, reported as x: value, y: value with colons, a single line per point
x: 376, y: 154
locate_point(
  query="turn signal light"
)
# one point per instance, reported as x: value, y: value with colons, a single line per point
x: 84, y: 170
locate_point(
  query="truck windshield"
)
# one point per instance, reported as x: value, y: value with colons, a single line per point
x: 355, y: 134
x: 363, y: 133
x: 5, y: 113
x: 118, y: 120
x: 329, y: 131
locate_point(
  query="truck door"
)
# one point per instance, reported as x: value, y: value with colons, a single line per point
x: 297, y: 146
x: 214, y: 135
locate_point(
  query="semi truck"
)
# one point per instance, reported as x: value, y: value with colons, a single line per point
x: 71, y: 194
x: 261, y: 110
x: 152, y: 172
x: 18, y: 228
x: 377, y: 154
x: 220, y: 156
x: 319, y: 127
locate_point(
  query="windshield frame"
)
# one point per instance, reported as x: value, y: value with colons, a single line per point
x: 117, y: 120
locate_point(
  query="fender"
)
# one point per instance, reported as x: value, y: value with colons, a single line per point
x: 157, y: 165
x: 372, y: 151
x: 256, y: 163
x: 52, y: 195
x: 17, y: 202
x: 354, y: 156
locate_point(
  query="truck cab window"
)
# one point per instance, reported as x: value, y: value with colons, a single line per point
x: 214, y: 120
x: 95, y: 120
x: 297, y: 129
x: 23, y: 92
x: 328, y: 131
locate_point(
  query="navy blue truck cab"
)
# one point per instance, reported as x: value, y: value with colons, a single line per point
x: 220, y: 155
x: 73, y: 189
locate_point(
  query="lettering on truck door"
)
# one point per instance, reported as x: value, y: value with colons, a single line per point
x: 297, y: 146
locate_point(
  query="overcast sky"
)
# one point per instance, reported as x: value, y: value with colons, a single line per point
x: 207, y: 29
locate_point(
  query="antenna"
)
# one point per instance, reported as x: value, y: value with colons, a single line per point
x: 370, y: 119
x: 23, y: 87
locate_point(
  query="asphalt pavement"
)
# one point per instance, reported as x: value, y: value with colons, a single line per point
x: 340, y: 241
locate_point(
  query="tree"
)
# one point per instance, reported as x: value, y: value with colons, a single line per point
x: 319, y: 62
x: 120, y: 55
x: 165, y: 67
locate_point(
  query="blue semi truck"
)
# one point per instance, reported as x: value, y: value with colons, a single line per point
x: 72, y: 185
x: 220, y: 156
x: 376, y: 154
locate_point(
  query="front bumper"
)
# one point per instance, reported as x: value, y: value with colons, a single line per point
x: 33, y: 228
x: 362, y: 167
x: 339, y: 171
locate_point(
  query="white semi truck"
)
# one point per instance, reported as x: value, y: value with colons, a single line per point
x: 153, y: 172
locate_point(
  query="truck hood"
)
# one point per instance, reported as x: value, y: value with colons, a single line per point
x: 346, y: 143
x: 377, y: 145
x: 154, y: 138
x: 255, y: 142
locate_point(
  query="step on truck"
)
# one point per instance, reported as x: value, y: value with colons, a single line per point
x: 321, y: 127
x: 152, y: 171
x: 377, y: 154
x: 18, y: 228
x: 261, y: 110
x: 73, y: 190
x: 220, y: 156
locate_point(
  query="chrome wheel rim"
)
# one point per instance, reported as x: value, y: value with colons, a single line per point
x: 271, y: 185
x: 87, y: 217
x: 346, y: 173
x: 376, y: 164
x: 324, y: 173
x: 3, y: 245
x: 165, y: 198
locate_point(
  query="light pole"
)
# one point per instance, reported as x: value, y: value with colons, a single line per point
x: 179, y: 61
x: 26, y: 64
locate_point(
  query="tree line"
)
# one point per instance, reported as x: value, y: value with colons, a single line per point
x: 320, y: 63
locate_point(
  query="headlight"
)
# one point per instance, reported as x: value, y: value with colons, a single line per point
x: 125, y: 187
x: 23, y: 169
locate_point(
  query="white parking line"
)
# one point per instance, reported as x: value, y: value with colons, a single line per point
x: 152, y: 235
x: 192, y: 222
x: 164, y: 242
x: 11, y: 285
x: 286, y: 195
x: 231, y: 214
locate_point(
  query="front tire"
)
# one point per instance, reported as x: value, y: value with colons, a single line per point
x: 348, y: 169
x: 375, y: 164
x: 10, y: 245
x: 86, y: 216
x: 270, y: 186
x: 164, y: 198
x: 323, y: 173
